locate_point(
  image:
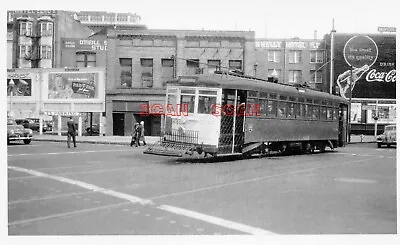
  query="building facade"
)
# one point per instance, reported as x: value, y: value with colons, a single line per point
x: 292, y: 61
x: 139, y: 63
x: 36, y: 37
x: 371, y: 61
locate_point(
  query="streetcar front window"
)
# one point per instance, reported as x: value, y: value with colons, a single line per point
x: 207, y: 105
x: 187, y: 101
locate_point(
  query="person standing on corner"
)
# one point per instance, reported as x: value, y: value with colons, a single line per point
x: 134, y: 139
x: 71, y: 132
x: 141, y: 133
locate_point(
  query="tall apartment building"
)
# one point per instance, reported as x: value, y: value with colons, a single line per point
x: 293, y: 61
x: 35, y: 37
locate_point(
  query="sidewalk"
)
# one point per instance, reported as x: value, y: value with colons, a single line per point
x: 126, y: 140
x: 117, y: 140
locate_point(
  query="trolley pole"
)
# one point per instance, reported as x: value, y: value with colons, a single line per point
x: 349, y: 112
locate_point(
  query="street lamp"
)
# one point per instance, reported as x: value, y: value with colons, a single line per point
x: 11, y: 84
x: 350, y: 97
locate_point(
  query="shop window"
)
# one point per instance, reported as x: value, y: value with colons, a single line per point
x: 85, y: 59
x: 147, y: 72
x: 126, y: 72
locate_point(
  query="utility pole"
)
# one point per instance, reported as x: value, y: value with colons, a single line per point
x: 350, y: 97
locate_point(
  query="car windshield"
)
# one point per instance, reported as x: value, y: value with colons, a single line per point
x: 390, y: 128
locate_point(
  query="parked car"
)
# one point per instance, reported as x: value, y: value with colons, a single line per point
x: 18, y: 132
x: 388, y: 137
x: 95, y: 130
x: 34, y: 124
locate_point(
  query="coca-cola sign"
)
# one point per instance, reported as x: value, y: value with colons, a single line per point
x: 376, y: 76
x: 365, y: 65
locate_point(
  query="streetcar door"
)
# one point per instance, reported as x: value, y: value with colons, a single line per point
x: 231, y: 132
x: 225, y: 144
x: 343, y: 117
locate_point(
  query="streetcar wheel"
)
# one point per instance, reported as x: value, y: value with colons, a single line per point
x: 27, y: 141
x: 379, y: 145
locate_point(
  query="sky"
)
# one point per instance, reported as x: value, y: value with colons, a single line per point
x: 268, y: 18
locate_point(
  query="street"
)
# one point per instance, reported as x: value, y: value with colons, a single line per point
x: 99, y: 189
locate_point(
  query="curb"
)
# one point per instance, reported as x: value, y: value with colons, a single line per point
x: 91, y: 142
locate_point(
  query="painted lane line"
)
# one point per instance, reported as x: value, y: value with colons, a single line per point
x: 67, y: 152
x: 212, y: 187
x: 215, y: 220
x: 63, y: 215
x: 134, y: 199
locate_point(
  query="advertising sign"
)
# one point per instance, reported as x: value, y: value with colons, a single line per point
x: 22, y: 84
x: 73, y: 85
x: 99, y: 44
x: 370, y: 60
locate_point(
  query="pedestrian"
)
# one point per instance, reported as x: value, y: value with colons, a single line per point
x: 134, y: 135
x: 71, y: 132
x: 141, y: 131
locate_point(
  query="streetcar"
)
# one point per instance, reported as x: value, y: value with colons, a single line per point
x: 229, y: 114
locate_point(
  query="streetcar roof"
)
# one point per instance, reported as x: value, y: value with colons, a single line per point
x: 236, y: 82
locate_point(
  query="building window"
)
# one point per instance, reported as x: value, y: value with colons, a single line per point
x: 316, y: 56
x: 193, y: 67
x: 235, y: 65
x: 85, y: 59
x: 294, y: 56
x: 46, y: 28
x: 294, y: 76
x: 84, y: 17
x: 45, y: 52
x: 213, y: 65
x: 107, y: 18
x: 315, y: 77
x: 126, y: 72
x: 147, y: 72
x: 274, y: 56
x: 167, y: 70
x: 277, y: 73
x: 25, y: 51
x: 25, y: 28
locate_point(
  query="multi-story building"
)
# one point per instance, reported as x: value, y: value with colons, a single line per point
x: 140, y: 62
x: 36, y: 37
x: 97, y: 20
x: 293, y: 61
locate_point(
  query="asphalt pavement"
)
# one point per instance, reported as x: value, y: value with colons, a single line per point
x: 117, y: 190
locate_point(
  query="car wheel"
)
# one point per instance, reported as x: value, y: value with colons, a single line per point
x: 27, y: 141
x: 379, y: 145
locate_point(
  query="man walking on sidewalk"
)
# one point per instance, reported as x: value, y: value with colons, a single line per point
x: 71, y: 132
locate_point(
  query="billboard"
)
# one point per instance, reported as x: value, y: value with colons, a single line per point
x: 371, y: 62
x: 73, y: 85
x: 22, y: 84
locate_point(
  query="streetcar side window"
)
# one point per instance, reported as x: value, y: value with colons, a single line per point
x: 291, y: 110
x: 329, y: 113
x: 335, y: 114
x: 282, y: 109
x: 263, y: 106
x: 272, y: 108
x: 308, y: 111
x: 323, y: 113
x: 251, y: 107
x: 315, y: 112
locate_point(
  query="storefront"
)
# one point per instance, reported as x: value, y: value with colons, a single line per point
x: 364, y: 71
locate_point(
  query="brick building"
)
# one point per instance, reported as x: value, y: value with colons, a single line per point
x: 293, y: 61
x: 140, y: 62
